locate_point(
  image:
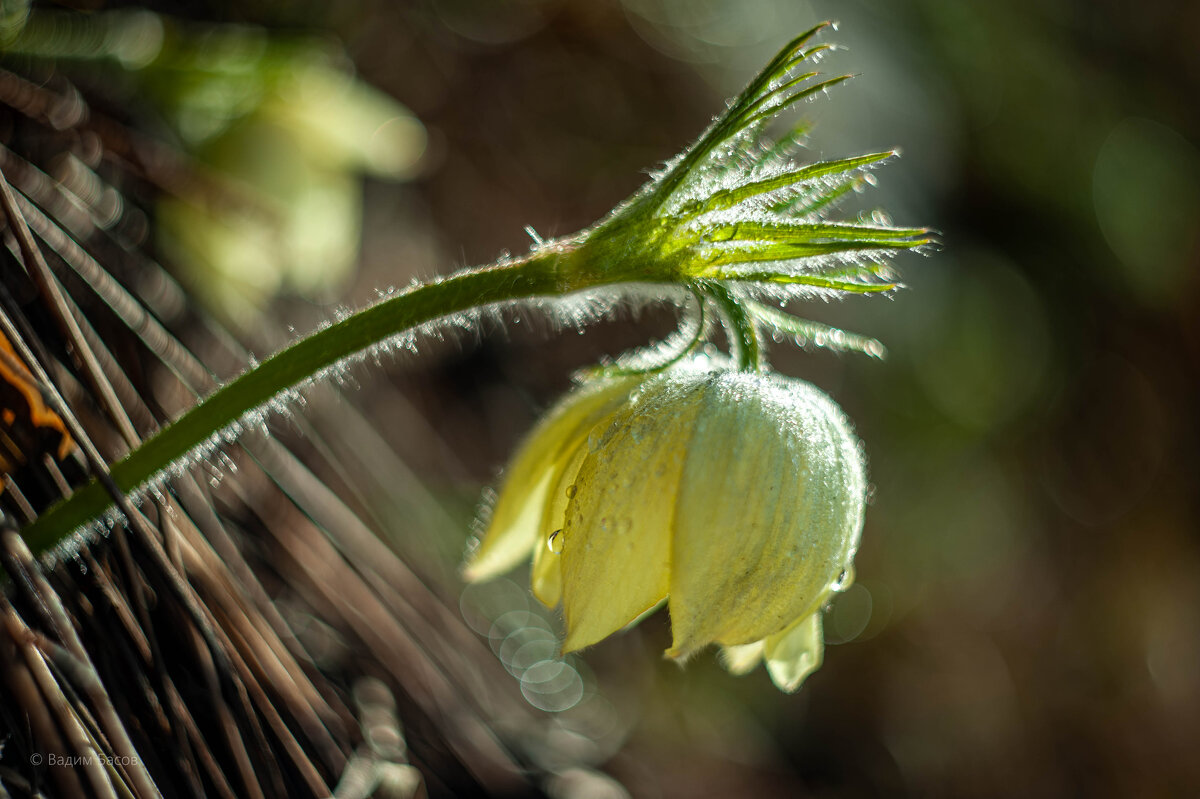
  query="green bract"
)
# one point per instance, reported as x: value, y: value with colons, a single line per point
x: 735, y: 497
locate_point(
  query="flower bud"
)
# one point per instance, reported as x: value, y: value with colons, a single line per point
x: 735, y: 497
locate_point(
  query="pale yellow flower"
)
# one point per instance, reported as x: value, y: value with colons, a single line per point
x: 737, y: 498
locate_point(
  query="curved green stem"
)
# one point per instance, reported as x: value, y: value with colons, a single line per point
x: 551, y: 270
x: 681, y: 352
x: 744, y: 343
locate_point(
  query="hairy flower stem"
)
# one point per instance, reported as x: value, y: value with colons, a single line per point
x: 551, y: 270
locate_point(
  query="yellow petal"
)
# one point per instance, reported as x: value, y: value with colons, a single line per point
x: 742, y: 659
x: 547, y: 572
x: 546, y: 578
x: 616, y: 556
x: 770, y: 510
x: 795, y: 653
x: 517, y: 518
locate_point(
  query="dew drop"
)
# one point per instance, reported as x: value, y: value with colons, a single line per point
x: 572, y: 490
x: 845, y: 579
x: 555, y: 542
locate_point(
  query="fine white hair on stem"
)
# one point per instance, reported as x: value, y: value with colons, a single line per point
x: 574, y: 311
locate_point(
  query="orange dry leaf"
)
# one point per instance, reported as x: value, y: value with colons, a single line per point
x: 24, y: 417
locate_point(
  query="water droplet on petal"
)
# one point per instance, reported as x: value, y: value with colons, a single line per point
x: 555, y: 542
x: 571, y: 491
x: 845, y: 579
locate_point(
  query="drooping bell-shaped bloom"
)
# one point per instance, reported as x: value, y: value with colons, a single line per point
x: 735, y: 497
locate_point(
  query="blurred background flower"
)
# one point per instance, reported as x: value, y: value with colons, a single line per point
x: 276, y: 132
x: 1028, y: 594
x: 286, y: 145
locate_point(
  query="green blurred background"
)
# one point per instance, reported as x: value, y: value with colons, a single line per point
x: 1026, y: 619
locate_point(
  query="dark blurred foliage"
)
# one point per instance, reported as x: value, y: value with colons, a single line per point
x: 1028, y: 599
